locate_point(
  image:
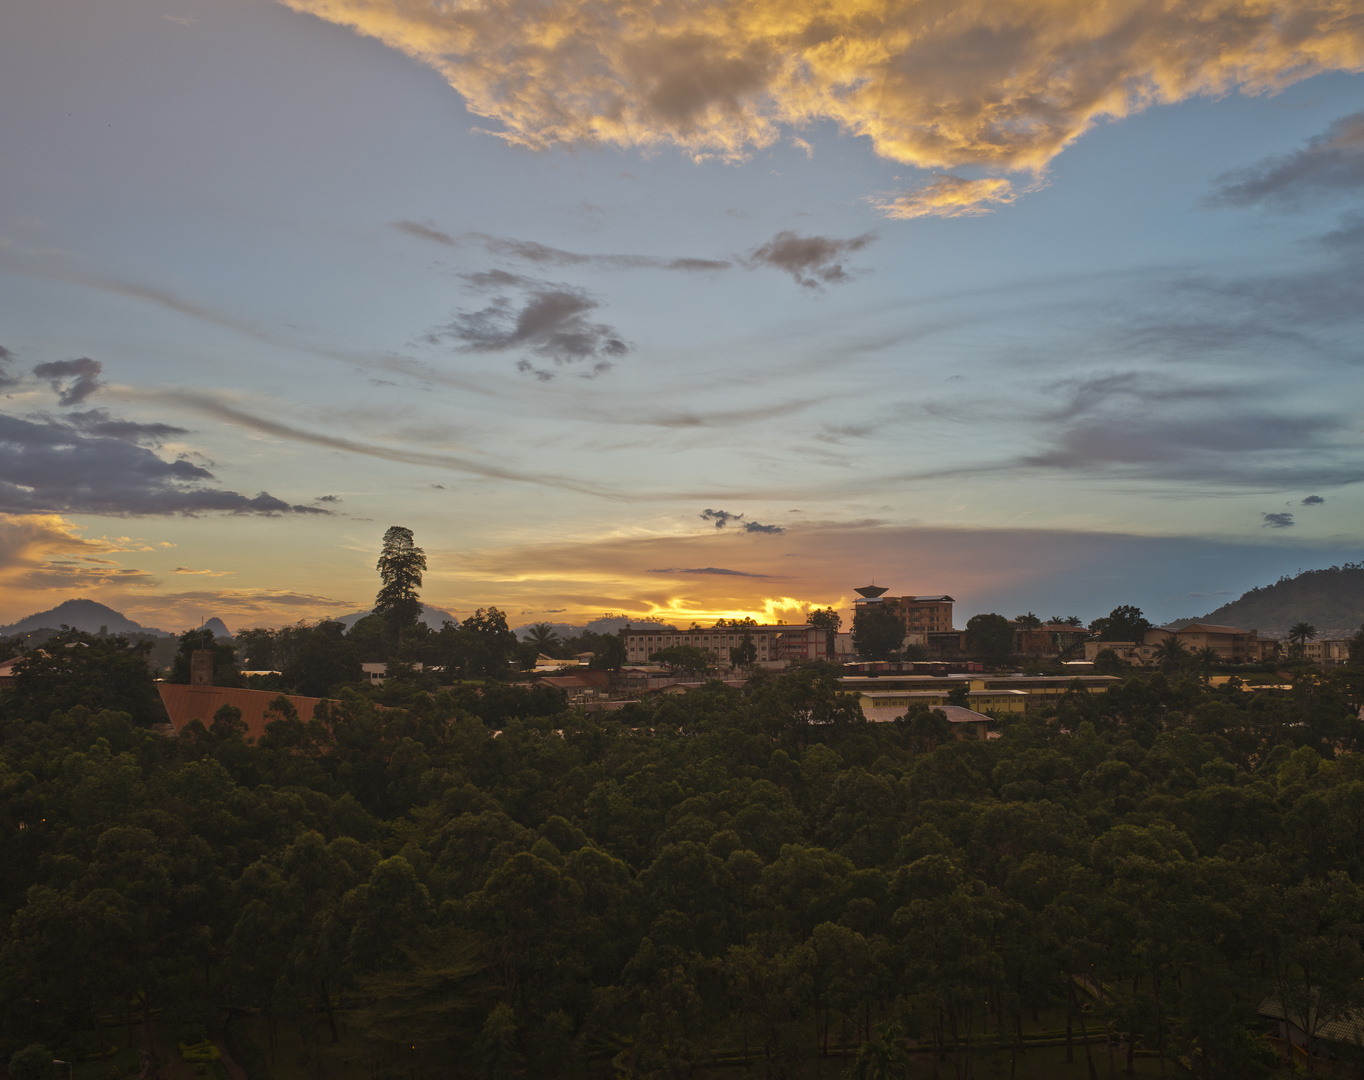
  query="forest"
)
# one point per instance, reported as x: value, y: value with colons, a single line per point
x: 734, y: 881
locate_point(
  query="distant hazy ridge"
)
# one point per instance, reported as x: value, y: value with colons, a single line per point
x: 1332, y: 600
x: 86, y: 615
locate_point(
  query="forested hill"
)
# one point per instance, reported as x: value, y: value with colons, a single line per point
x: 1332, y: 600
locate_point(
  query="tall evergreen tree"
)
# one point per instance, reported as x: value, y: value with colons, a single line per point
x: 400, y: 567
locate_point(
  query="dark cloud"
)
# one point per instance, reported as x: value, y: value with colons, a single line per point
x: 1161, y: 426
x: 549, y: 321
x: 1349, y: 238
x: 532, y: 251
x: 543, y: 255
x: 57, y: 468
x: 1331, y: 163
x: 73, y: 380
x: 423, y: 232
x: 1278, y: 521
x: 1313, y: 500
x: 707, y: 570
x: 328, y: 498
x: 6, y: 357
x: 99, y: 422
x: 810, y: 260
x: 724, y: 517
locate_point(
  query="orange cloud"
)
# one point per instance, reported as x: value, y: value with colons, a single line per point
x: 947, y: 196
x: 932, y: 83
x: 43, y: 556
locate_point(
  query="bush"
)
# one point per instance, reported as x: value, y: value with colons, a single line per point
x: 33, y: 1062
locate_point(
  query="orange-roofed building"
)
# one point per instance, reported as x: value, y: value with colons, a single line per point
x: 190, y: 702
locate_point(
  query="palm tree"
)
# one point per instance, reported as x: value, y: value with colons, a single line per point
x: 544, y: 635
x: 1299, y: 634
x: 1171, y: 654
x: 1205, y: 658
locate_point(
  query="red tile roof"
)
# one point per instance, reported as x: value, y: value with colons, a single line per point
x: 185, y: 703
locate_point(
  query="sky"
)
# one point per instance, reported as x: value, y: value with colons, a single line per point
x: 682, y: 311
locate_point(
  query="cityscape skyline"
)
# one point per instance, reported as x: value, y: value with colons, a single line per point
x: 276, y: 276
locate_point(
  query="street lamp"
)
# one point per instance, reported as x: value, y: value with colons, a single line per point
x: 58, y: 1061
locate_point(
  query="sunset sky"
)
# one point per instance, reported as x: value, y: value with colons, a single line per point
x: 683, y: 310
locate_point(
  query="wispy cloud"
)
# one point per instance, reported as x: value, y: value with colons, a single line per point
x: 721, y: 518
x: 947, y: 196
x: 811, y: 261
x: 532, y: 251
x: 1330, y: 164
x: 232, y: 411
x: 424, y: 232
x: 708, y: 570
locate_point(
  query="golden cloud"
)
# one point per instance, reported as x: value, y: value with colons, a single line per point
x: 947, y: 196
x: 932, y: 83
x: 40, y: 553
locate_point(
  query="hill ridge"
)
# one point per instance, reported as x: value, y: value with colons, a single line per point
x: 83, y: 614
x: 1331, y: 599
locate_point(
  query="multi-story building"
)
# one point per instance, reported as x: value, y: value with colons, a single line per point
x: 777, y: 645
x: 921, y: 615
x: 1232, y: 645
x: 1049, y: 639
x: 1328, y: 652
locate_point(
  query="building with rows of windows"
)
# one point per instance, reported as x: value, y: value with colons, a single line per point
x: 777, y: 645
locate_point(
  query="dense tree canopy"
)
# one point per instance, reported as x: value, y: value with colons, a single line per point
x: 481, y: 882
x: 1123, y: 623
x: 877, y: 631
x: 990, y: 637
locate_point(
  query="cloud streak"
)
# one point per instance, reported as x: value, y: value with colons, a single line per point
x: 947, y: 196
x: 939, y: 84
x: 708, y: 570
x: 532, y: 251
x: 1331, y: 163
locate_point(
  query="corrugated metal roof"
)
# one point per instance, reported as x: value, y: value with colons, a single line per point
x: 1345, y: 1028
x: 185, y: 703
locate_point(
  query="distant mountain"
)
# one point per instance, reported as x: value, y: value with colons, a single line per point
x: 1332, y: 600
x: 218, y: 627
x: 434, y: 617
x: 84, y: 615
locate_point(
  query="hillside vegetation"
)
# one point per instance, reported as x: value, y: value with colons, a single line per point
x: 1332, y: 600
x: 756, y: 879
